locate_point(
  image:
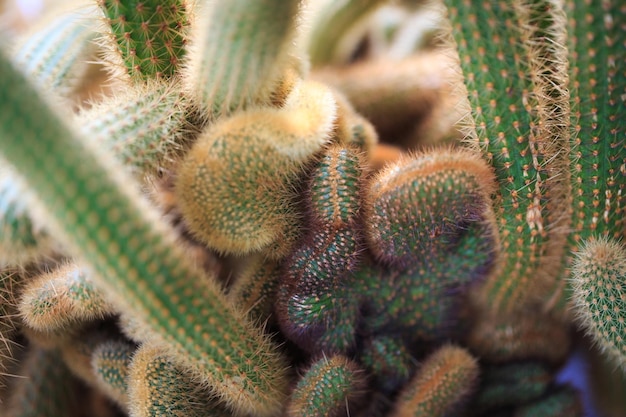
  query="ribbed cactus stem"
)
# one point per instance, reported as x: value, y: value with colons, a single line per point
x: 96, y: 209
x: 144, y: 126
x: 329, y: 388
x: 599, y: 292
x: 157, y: 387
x: 148, y: 37
x: 446, y: 378
x: 562, y: 402
x: 110, y: 361
x: 54, y: 55
x: 256, y: 287
x: 62, y: 300
x: 509, y: 73
x: 240, y: 49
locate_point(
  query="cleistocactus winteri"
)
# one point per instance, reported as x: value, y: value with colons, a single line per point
x: 313, y: 250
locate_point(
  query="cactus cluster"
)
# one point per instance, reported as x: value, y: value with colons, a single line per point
x: 262, y: 213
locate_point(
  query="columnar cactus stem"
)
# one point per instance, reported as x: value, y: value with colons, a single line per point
x: 331, y: 387
x: 110, y: 361
x: 54, y: 56
x: 446, y: 378
x: 147, y: 36
x: 500, y: 44
x: 259, y: 34
x: 96, y: 208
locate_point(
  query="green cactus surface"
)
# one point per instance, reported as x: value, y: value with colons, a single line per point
x: 148, y: 37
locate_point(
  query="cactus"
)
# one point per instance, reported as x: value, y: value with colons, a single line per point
x: 148, y: 37
x: 290, y: 233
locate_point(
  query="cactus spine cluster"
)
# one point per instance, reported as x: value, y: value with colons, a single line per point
x: 227, y: 228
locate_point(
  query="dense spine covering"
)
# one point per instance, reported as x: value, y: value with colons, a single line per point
x: 144, y: 127
x: 62, y: 300
x: 331, y: 387
x: 157, y: 387
x: 148, y: 37
x: 258, y: 155
x: 598, y: 159
x: 227, y: 76
x: 500, y: 44
x: 98, y: 212
x: 110, y: 361
x: 445, y: 379
x: 54, y: 56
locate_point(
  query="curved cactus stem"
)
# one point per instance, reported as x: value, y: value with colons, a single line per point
x: 157, y: 387
x: 256, y: 287
x: 446, y: 379
x: 388, y: 360
x: 110, y: 361
x: 330, y: 387
x: 62, y: 300
x: 562, y: 402
x: 258, y: 155
x: 96, y: 209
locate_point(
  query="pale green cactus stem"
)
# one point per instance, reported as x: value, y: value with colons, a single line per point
x: 598, y: 159
x: 332, y: 21
x: 330, y: 387
x: 22, y: 238
x: 509, y: 73
x: 446, y: 379
x: 110, y: 361
x: 62, y: 301
x: 258, y: 155
x: 46, y: 388
x: 599, y: 293
x: 144, y: 126
x: 157, y: 387
x: 55, y: 55
x: 238, y: 52
x: 96, y: 208
x: 147, y: 37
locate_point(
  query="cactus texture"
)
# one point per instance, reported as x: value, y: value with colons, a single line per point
x: 268, y: 208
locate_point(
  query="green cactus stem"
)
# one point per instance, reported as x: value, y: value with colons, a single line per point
x: 96, y: 208
x: 511, y: 58
x: 10, y: 281
x: 599, y: 293
x: 110, y: 361
x: 145, y: 127
x: 22, y: 238
x: 256, y: 287
x: 240, y: 49
x: 331, y: 387
x: 62, y: 300
x: 388, y: 360
x: 157, y: 387
x: 258, y: 155
x: 147, y: 37
x: 46, y: 388
x: 423, y: 201
x: 55, y: 55
x: 446, y: 379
